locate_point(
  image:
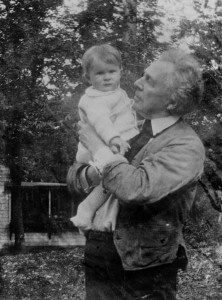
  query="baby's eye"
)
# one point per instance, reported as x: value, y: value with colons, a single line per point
x: 99, y: 73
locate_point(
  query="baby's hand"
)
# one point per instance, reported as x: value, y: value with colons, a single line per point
x: 118, y: 145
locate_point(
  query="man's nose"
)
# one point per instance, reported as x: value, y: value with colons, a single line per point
x: 138, y: 83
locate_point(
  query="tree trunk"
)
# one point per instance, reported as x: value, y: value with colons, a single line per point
x: 17, y: 219
x: 129, y: 36
x: 14, y: 163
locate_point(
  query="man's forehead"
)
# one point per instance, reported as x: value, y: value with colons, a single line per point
x: 157, y: 67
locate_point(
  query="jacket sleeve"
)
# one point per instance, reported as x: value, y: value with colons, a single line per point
x: 72, y: 178
x: 178, y: 164
x: 98, y: 115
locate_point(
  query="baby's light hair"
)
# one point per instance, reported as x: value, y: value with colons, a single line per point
x: 103, y: 52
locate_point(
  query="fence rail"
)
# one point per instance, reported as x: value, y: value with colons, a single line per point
x: 47, y: 207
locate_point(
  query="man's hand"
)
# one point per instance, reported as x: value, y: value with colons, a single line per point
x: 118, y: 145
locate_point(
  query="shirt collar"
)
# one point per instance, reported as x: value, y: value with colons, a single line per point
x: 160, y: 124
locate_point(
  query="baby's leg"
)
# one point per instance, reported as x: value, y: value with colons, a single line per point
x: 83, y: 155
x: 87, y: 209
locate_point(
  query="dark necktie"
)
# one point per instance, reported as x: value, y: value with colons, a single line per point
x: 140, y: 140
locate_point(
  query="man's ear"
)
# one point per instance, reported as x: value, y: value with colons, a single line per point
x: 171, y: 105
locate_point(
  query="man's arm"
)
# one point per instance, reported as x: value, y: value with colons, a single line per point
x: 159, y: 174
x: 81, y: 178
x: 178, y: 163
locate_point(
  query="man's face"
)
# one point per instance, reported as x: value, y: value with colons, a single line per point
x: 151, y: 99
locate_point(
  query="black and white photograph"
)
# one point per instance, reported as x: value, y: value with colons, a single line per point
x: 110, y: 149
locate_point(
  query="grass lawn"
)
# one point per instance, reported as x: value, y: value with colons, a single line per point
x: 46, y: 274
x: 59, y: 275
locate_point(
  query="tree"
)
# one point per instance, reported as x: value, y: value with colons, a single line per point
x: 130, y: 15
x: 21, y: 48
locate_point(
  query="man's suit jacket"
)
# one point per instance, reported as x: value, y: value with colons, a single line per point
x: 156, y: 192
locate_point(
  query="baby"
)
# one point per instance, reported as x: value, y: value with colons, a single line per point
x: 107, y: 108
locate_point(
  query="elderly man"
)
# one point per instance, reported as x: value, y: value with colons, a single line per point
x: 136, y: 245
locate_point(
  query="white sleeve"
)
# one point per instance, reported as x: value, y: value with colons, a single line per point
x: 98, y: 112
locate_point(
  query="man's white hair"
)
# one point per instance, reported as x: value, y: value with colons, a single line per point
x: 184, y: 84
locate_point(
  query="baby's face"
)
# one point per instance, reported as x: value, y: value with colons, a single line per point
x: 104, y: 76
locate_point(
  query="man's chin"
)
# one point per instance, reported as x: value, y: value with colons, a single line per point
x: 140, y: 115
x: 135, y: 106
x: 138, y: 111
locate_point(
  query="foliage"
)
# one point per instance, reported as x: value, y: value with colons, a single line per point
x: 40, y: 78
x: 32, y: 119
